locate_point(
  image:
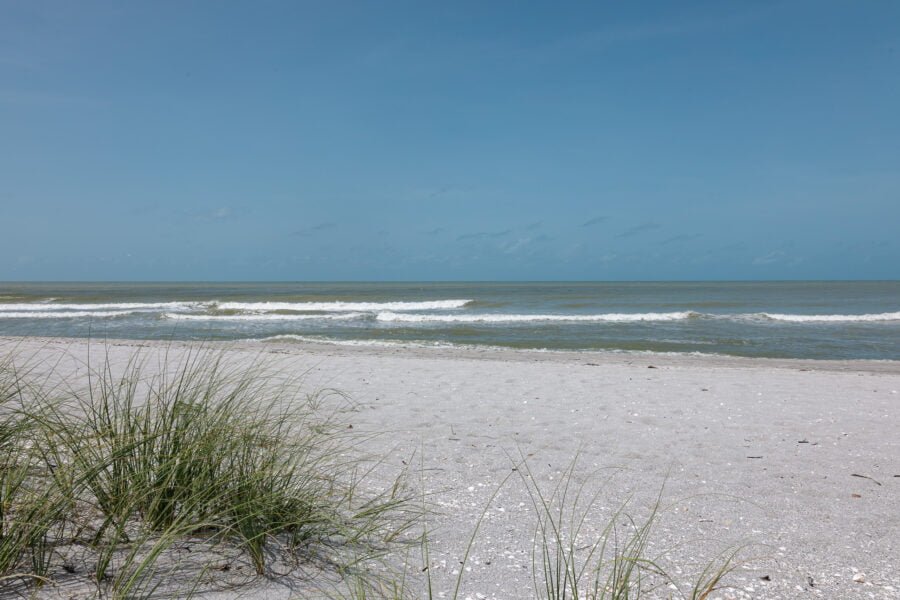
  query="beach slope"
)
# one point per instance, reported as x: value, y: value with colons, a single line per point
x: 795, y: 462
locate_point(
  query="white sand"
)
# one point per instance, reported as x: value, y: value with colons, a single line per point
x: 761, y: 453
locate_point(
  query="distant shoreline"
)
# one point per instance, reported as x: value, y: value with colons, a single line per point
x: 586, y: 357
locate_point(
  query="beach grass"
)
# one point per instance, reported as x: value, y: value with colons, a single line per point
x: 112, y: 477
x: 569, y: 560
x: 138, y: 459
x: 612, y: 563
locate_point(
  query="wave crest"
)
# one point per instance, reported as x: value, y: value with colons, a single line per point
x: 78, y: 314
x: 129, y: 306
x: 392, y: 317
x: 339, y: 306
x: 262, y: 317
x: 888, y: 316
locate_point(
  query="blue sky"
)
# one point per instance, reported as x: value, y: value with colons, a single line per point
x: 333, y: 140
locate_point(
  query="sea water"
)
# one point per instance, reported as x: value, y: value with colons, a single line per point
x: 820, y: 320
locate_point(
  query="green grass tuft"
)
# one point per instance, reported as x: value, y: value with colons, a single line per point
x: 139, y: 459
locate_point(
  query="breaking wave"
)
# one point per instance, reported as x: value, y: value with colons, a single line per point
x: 291, y: 337
x: 400, y: 312
x: 888, y: 316
x: 77, y: 314
x: 338, y: 306
x: 509, y: 318
x: 263, y: 317
x: 128, y: 306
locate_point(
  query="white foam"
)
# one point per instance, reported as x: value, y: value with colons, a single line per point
x: 78, y: 314
x: 888, y: 316
x: 441, y: 345
x: 292, y: 337
x: 511, y: 318
x: 344, y: 306
x: 262, y: 317
x: 130, y: 306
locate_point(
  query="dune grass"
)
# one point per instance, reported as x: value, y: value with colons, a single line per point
x: 613, y: 563
x: 569, y: 560
x: 138, y: 459
x: 31, y: 507
x: 107, y: 479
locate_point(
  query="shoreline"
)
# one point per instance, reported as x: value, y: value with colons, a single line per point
x: 473, y: 352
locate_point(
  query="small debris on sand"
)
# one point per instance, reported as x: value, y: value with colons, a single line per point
x: 864, y: 477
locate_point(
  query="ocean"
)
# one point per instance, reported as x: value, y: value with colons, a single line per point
x: 812, y: 320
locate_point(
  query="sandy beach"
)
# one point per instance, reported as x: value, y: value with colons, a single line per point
x: 796, y: 463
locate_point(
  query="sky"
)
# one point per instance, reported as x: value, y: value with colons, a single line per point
x: 332, y: 140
